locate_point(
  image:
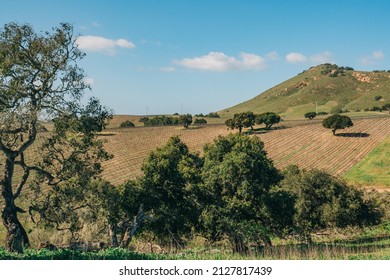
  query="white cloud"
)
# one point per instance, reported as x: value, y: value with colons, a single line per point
x: 319, y: 58
x: 296, y: 58
x: 220, y: 62
x: 373, y: 58
x: 101, y: 44
x: 273, y: 55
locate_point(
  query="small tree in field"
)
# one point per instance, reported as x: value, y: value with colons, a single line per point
x: 127, y: 124
x: 241, y: 120
x: 337, y: 121
x: 186, y: 120
x: 40, y: 77
x: 269, y: 119
x: 310, y: 115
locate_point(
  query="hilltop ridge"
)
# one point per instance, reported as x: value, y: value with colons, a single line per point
x: 325, y: 88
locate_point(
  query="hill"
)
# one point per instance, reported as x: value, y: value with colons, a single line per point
x: 327, y: 86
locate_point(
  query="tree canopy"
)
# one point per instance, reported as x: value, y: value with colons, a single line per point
x: 40, y: 78
x: 337, y: 121
x: 237, y: 178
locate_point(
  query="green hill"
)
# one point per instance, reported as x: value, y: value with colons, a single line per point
x: 327, y: 86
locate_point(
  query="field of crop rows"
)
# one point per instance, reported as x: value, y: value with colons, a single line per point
x: 308, y: 146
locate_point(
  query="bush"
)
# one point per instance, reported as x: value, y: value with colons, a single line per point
x: 323, y: 201
x: 321, y: 113
x: 212, y: 115
x: 310, y: 115
x: 200, y: 121
x: 378, y: 97
x: 127, y: 124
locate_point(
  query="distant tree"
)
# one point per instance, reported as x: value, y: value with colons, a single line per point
x: 323, y: 201
x: 386, y: 107
x: 241, y: 120
x: 337, y: 121
x: 322, y: 113
x: 212, y: 115
x: 310, y: 115
x: 127, y: 124
x: 268, y: 118
x: 186, y: 120
x: 378, y: 97
x: 376, y: 108
x: 143, y: 120
x: 200, y: 121
x: 237, y: 178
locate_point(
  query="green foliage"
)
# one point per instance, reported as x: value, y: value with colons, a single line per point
x: 200, y: 121
x: 310, y: 115
x: 323, y: 201
x: 169, y: 174
x: 241, y: 120
x: 185, y: 120
x: 40, y: 76
x: 161, y: 121
x: 268, y: 118
x: 337, y: 121
x: 212, y: 115
x: 378, y: 97
x: 127, y: 124
x: 237, y: 178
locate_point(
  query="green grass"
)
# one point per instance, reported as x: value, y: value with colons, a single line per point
x: 374, y: 168
x: 356, y: 90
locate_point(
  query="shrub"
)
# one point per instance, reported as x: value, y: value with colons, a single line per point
x: 310, y: 115
x: 200, y: 121
x: 127, y: 124
x: 378, y: 97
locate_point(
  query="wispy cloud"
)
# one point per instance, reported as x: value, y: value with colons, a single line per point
x: 272, y: 55
x: 373, y: 58
x: 298, y: 58
x: 167, y: 69
x: 220, y: 62
x: 102, y: 45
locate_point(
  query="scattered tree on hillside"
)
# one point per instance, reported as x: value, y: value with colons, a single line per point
x: 212, y: 115
x: 39, y: 76
x: 323, y: 201
x: 337, y: 121
x: 186, y: 120
x: 378, y: 97
x: 310, y: 115
x: 237, y: 178
x: 268, y: 118
x: 241, y: 120
x: 127, y: 124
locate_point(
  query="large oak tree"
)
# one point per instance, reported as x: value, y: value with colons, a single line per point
x: 40, y: 78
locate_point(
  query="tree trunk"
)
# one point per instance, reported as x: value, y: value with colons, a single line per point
x: 16, y: 238
x: 334, y: 131
x: 113, y: 235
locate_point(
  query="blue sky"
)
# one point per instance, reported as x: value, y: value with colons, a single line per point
x: 199, y: 56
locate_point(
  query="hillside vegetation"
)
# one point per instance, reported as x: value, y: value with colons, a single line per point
x: 331, y: 87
